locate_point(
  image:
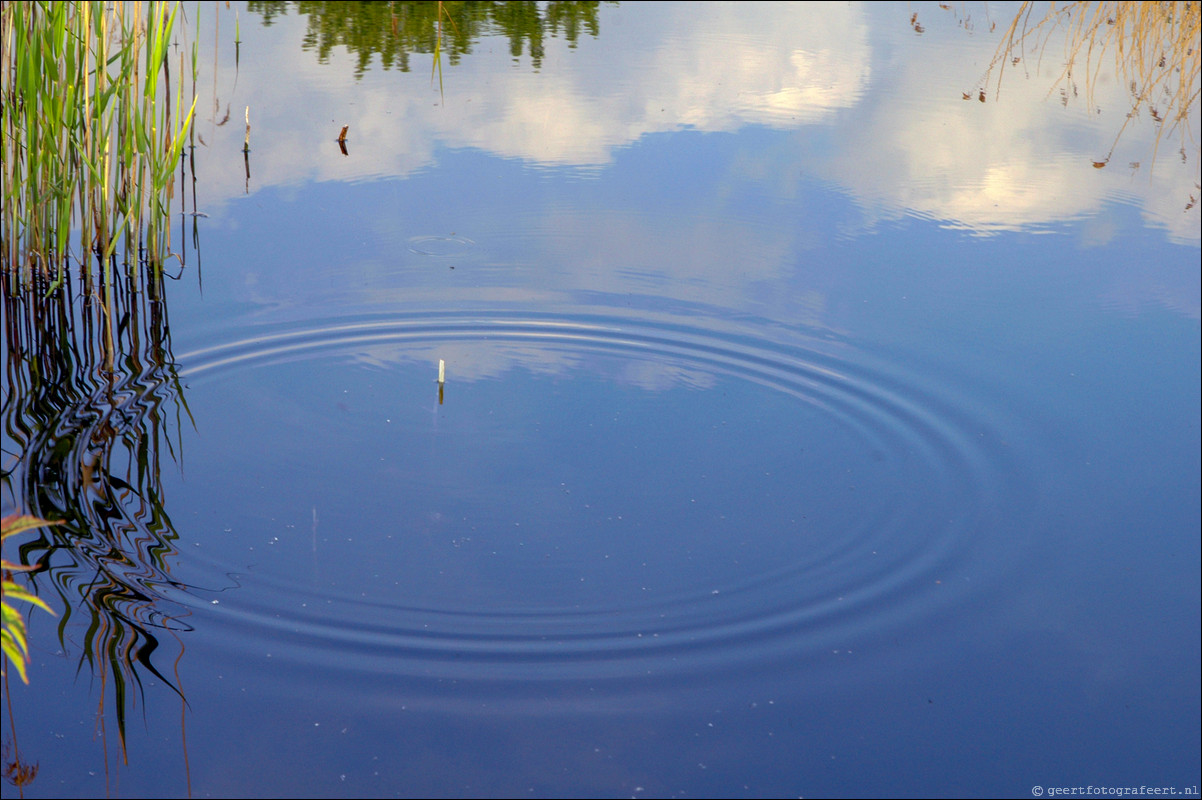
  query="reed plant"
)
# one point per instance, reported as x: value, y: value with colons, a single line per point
x: 88, y: 138
x: 437, y: 64
x: 13, y: 643
x: 1155, y: 48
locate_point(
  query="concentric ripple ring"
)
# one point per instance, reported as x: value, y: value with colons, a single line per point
x: 812, y: 581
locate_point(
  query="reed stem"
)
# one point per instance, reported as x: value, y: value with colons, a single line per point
x: 90, y: 133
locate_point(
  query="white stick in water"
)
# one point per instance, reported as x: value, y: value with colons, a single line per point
x: 442, y: 371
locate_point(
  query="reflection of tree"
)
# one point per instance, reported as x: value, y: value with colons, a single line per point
x: 1155, y: 47
x: 91, y: 400
x: 394, y: 30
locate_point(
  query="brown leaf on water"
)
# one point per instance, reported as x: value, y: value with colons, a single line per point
x: 1099, y: 164
x: 981, y: 96
x: 967, y: 96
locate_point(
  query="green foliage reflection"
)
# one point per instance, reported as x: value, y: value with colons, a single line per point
x: 394, y: 31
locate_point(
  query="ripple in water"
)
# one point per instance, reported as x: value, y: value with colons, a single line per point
x: 439, y: 246
x: 593, y: 500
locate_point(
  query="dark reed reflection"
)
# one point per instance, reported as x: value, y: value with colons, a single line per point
x: 92, y: 407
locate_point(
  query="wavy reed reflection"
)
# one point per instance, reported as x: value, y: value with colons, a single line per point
x: 92, y: 405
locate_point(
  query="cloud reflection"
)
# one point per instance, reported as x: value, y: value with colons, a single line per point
x: 1020, y: 161
x: 900, y: 140
x: 708, y: 67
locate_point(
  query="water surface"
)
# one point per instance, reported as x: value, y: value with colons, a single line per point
x: 807, y: 429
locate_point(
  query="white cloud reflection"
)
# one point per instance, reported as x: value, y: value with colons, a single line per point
x: 905, y: 143
x: 1022, y: 160
x: 710, y: 67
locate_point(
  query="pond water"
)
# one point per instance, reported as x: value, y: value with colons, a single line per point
x: 808, y: 427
